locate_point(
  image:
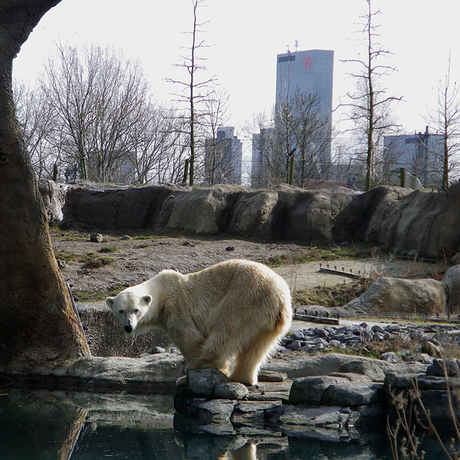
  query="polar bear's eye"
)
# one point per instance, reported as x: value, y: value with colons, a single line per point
x: 121, y: 311
x: 136, y: 311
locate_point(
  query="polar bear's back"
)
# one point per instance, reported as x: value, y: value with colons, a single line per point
x: 240, y: 292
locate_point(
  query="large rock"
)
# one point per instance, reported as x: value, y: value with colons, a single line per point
x: 413, y: 223
x: 387, y: 295
x: 352, y: 223
x: 202, y: 381
x: 452, y: 281
x: 254, y: 214
x: 204, y: 210
x: 289, y: 213
x: 115, y: 207
x: 338, y: 390
x: 312, y: 216
x: 422, y: 223
x: 154, y: 374
x: 54, y: 197
x: 282, y: 212
x: 304, y: 366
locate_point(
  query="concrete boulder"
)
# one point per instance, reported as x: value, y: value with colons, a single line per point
x: 387, y: 295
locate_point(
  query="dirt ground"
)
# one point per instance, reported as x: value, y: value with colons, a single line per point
x: 96, y: 268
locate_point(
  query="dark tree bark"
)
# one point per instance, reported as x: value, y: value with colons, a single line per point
x: 38, y: 326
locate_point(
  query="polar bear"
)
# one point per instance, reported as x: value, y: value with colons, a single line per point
x: 234, y: 309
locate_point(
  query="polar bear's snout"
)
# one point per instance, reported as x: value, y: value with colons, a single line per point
x: 129, y: 321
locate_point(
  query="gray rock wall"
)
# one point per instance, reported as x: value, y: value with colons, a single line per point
x: 412, y: 223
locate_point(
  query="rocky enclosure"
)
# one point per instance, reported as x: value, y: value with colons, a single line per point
x: 419, y: 223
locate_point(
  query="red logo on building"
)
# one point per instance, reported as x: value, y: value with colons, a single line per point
x: 307, y: 62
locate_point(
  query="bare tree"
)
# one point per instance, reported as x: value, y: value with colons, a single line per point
x: 268, y: 161
x: 370, y: 103
x: 159, y: 152
x: 36, y: 119
x: 98, y: 100
x: 217, y: 162
x: 293, y: 145
x: 446, y: 121
x: 195, y: 91
x: 309, y: 135
x: 284, y: 130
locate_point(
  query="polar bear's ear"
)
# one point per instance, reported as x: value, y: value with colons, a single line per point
x: 110, y: 301
x: 146, y: 300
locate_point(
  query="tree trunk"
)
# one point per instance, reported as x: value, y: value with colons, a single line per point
x: 38, y: 326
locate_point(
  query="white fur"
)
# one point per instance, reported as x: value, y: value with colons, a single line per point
x: 235, y: 309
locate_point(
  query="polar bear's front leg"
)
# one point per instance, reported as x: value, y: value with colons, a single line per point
x: 205, y: 356
x: 202, y: 360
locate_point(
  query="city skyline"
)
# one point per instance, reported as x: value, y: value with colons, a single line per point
x: 244, y: 37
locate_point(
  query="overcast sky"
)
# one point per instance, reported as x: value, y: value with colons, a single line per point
x: 246, y: 36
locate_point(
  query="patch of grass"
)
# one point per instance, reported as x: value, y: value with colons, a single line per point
x: 66, y: 256
x: 107, y: 249
x: 88, y: 296
x: 158, y: 236
x: 115, y: 290
x: 92, y: 261
x: 354, y: 351
x: 335, y: 296
x: 314, y: 254
x: 93, y: 296
x: 68, y: 235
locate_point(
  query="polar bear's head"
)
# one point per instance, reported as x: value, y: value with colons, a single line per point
x: 129, y: 309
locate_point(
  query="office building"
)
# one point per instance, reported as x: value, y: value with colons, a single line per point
x: 309, y: 72
x: 420, y: 154
x: 223, y: 158
x: 305, y: 73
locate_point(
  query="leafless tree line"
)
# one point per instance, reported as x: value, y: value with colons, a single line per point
x: 372, y: 115
x: 293, y: 145
x: 91, y: 115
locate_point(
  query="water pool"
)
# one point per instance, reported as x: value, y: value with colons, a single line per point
x: 78, y: 426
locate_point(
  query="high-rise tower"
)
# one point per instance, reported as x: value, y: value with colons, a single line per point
x: 308, y: 72
x: 298, y: 73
